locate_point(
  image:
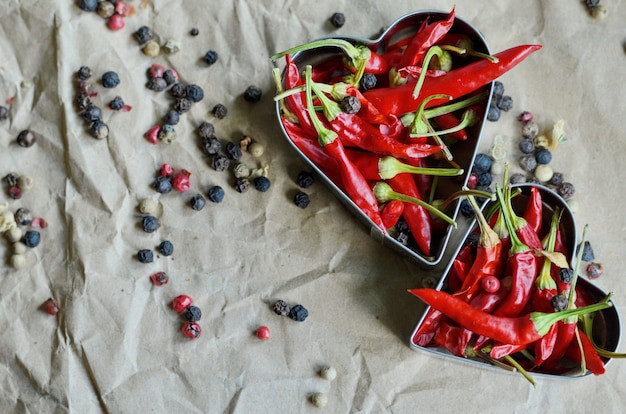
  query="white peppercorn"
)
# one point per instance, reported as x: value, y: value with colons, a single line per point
x: 15, y: 234
x: 19, y: 248
x: 241, y: 170
x: 543, y: 173
x: 599, y: 12
x: 328, y: 373
x: 256, y: 149
x: 319, y: 399
x: 148, y: 206
x: 18, y: 261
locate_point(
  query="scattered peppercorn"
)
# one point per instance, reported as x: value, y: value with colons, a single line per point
x: 262, y: 184
x: 18, y: 261
x: 592, y: 3
x: 88, y: 5
x: 150, y: 224
x: 301, y: 199
x: 178, y: 90
x: 338, y: 19
x: 171, y: 46
x: 50, y: 306
x: 566, y: 190
x: 530, y: 129
x: 543, y: 173
x: 493, y: 114
x: 99, y: 130
x: 194, y: 31
x: 14, y: 235
x: 505, y: 103
x: 588, y: 254
x: 181, y: 302
x: 566, y: 275
x: 191, y: 330
x: 559, y: 302
x: 368, y: 81
x: 194, y: 93
x: 145, y: 256
x: 256, y: 149
x: 210, y: 57
x: 599, y: 12
x: 319, y: 399
x: 242, y: 184
x: 543, y: 156
x: 281, y: 308
x: 23, y: 216
x: 219, y: 111
x: 24, y: 182
x: 151, y: 48
x: 263, y: 333
x: 241, y: 170
x: 211, y: 146
x: 252, y: 94
x: 15, y: 193
x: 192, y: 313
x: 167, y: 134
x: 32, y: 238
x: 110, y: 79
x: 156, y: 84
x: 180, y: 181
x: 484, y: 179
x: 328, y: 373
x: 116, y: 22
x: 466, y: 208
x: 26, y: 138
x: 350, y: 104
x: 206, y: 130
x: 482, y: 163
x: 525, y: 117
x: 170, y: 77
x: 220, y: 162
x: 11, y: 179
x: 91, y: 113
x: 557, y: 179
x: 160, y: 278
x: 166, y: 248
x: 526, y: 146
x: 182, y: 105
x: 216, y: 194
x: 298, y: 313
x: 233, y: 151
x: 528, y: 163
x: 197, y: 202
x: 105, y: 9
x: 4, y: 113
x: 162, y: 184
x: 305, y: 179
x: 594, y: 270
x: 143, y: 35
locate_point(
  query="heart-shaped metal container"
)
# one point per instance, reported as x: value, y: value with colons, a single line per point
x: 607, y: 323
x: 463, y: 152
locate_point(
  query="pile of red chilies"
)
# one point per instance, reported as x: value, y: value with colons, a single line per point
x: 521, y: 321
x: 419, y: 94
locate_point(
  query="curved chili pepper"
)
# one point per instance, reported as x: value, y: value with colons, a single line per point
x: 428, y: 327
x: 391, y: 212
x: 564, y: 336
x: 533, y: 210
x: 295, y: 102
x: 324, y: 71
x: 453, y: 338
x: 593, y: 362
x: 501, y: 350
x: 417, y: 217
x: 545, y: 346
x: 517, y: 330
x: 456, y: 83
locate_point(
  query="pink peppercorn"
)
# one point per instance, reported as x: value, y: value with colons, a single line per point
x: 472, y: 181
x: 123, y: 9
x: 191, y: 330
x: 156, y: 71
x: 525, y: 117
x: 51, y: 306
x: 15, y: 193
x: 153, y: 134
x: 263, y: 333
x: 116, y: 22
x: 181, y: 180
x: 160, y: 278
x: 181, y: 302
x: 166, y: 170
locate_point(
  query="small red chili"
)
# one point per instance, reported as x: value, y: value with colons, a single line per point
x: 263, y: 333
x: 191, y: 330
x: 533, y: 210
x: 594, y: 364
x: 181, y: 302
x: 181, y: 180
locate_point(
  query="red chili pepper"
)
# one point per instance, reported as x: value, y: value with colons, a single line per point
x: 417, y: 217
x: 456, y: 83
x: 428, y: 327
x: 501, y: 350
x: 448, y: 121
x: 564, y: 336
x: 545, y: 286
x: 324, y: 71
x: 392, y: 211
x: 593, y: 362
x: 545, y: 346
x: 533, y: 210
x: 519, y: 330
x: 454, y: 338
x: 295, y: 102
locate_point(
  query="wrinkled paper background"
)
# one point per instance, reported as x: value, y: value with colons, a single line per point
x: 116, y: 345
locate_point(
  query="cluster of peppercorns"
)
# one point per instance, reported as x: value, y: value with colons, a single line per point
x: 150, y: 45
x: 21, y: 240
x: 183, y: 304
x: 593, y: 269
x: 297, y: 313
x: 149, y: 224
x: 499, y: 102
x: 304, y: 180
x: 168, y: 178
x: 113, y: 11
x: 159, y: 79
x: 17, y: 184
x: 597, y: 10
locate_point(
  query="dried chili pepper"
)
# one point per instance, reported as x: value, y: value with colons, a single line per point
x: 295, y: 102
x: 519, y: 330
x: 533, y: 210
x: 588, y: 358
x: 456, y: 83
x: 449, y: 121
x: 454, y: 338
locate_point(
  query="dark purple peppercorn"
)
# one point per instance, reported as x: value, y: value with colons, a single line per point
x: 178, y: 90
x: 592, y: 3
x: 493, y: 114
x: 220, y: 162
x: 466, y: 208
x: 484, y: 179
x: 517, y: 178
x: 301, y: 199
x: 566, y: 275
x: 482, y: 163
x: 166, y: 248
x: 143, y: 35
x: 206, y: 130
x: 84, y: 73
x: 197, y: 202
x: 233, y: 150
x: 171, y: 117
x: 350, y: 104
x: 498, y: 90
x: 162, y: 184
x: 216, y: 194
x: 88, y: 5
x: 4, y: 113
x: 99, y: 130
x: 182, y: 105
x: 156, y: 84
x: 305, y: 179
x: 505, y: 103
x: 110, y: 79
x: 192, y: 313
x: 91, y: 113
x: 31, y: 238
x: 211, y: 146
x: 262, y: 184
x: 298, y: 313
x: 149, y: 224
x: 588, y: 254
x: 26, y: 138
x: 566, y: 190
x: 210, y: 57
x: 527, y: 146
x: 559, y: 302
x: 557, y: 179
x: 543, y: 156
x: 170, y: 77
x: 145, y: 256
x: 116, y: 103
x: 219, y: 111
x: 338, y: 20
x: 281, y: 308
x: 194, y: 31
x: 368, y: 81
x: 194, y: 93
x: 594, y: 270
x: 252, y: 94
x: 242, y: 184
x: 11, y: 179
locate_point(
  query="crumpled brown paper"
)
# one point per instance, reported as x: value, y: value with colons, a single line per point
x: 116, y: 344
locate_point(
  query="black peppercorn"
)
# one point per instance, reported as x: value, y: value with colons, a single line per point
x: 543, y: 156
x: 182, y: 105
x: 219, y: 111
x: 178, y: 90
x: 220, y: 162
x: 88, y: 5
x: 527, y: 146
x: 298, y: 313
x: 192, y: 313
x: 557, y: 179
x: 242, y: 184
x: 493, y: 114
x: 99, y: 130
x: 566, y: 190
x: 281, y: 308
x: 166, y: 248
x: 216, y: 194
x: 84, y: 73
x: 210, y: 57
x: 194, y: 93
x: 171, y: 117
x: 194, y: 31
x: 566, y: 275
x: 559, y: 302
x: 368, y: 81
x: 145, y: 256
x: 197, y: 202
x: 170, y: 77
x: 157, y: 84
x: 588, y: 254
x: 211, y: 146
x: 31, y: 238
x: 110, y: 79
x: 26, y: 138
x: 262, y: 184
x: 517, y: 178
x: 143, y: 35
x: 482, y: 163
x: 305, y: 179
x: 206, y: 130
x: 338, y: 20
x: 91, y: 113
x: 350, y: 104
x: 505, y: 103
x: 162, y: 184
x: 252, y: 94
x: 117, y: 103
x: 466, y: 208
x: 301, y: 199
x: 233, y: 150
x: 484, y: 179
x: 11, y: 179
x: 150, y: 224
x: 498, y: 90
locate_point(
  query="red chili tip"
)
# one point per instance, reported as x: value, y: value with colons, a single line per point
x: 153, y: 134
x: 116, y: 22
x: 263, y: 333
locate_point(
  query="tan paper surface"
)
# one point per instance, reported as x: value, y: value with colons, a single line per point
x: 116, y: 345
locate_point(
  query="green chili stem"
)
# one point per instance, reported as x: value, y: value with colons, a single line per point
x: 521, y: 369
x: 463, y: 193
x: 488, y: 237
x: 429, y: 113
x: 434, y: 50
x: 330, y: 108
x: 469, y: 118
x: 545, y: 280
x: 587, y: 321
x: 281, y: 102
x: 505, y: 209
x: 352, y: 51
x: 579, y: 258
x: 384, y: 193
x: 325, y: 135
x: 389, y: 167
x: 419, y: 126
